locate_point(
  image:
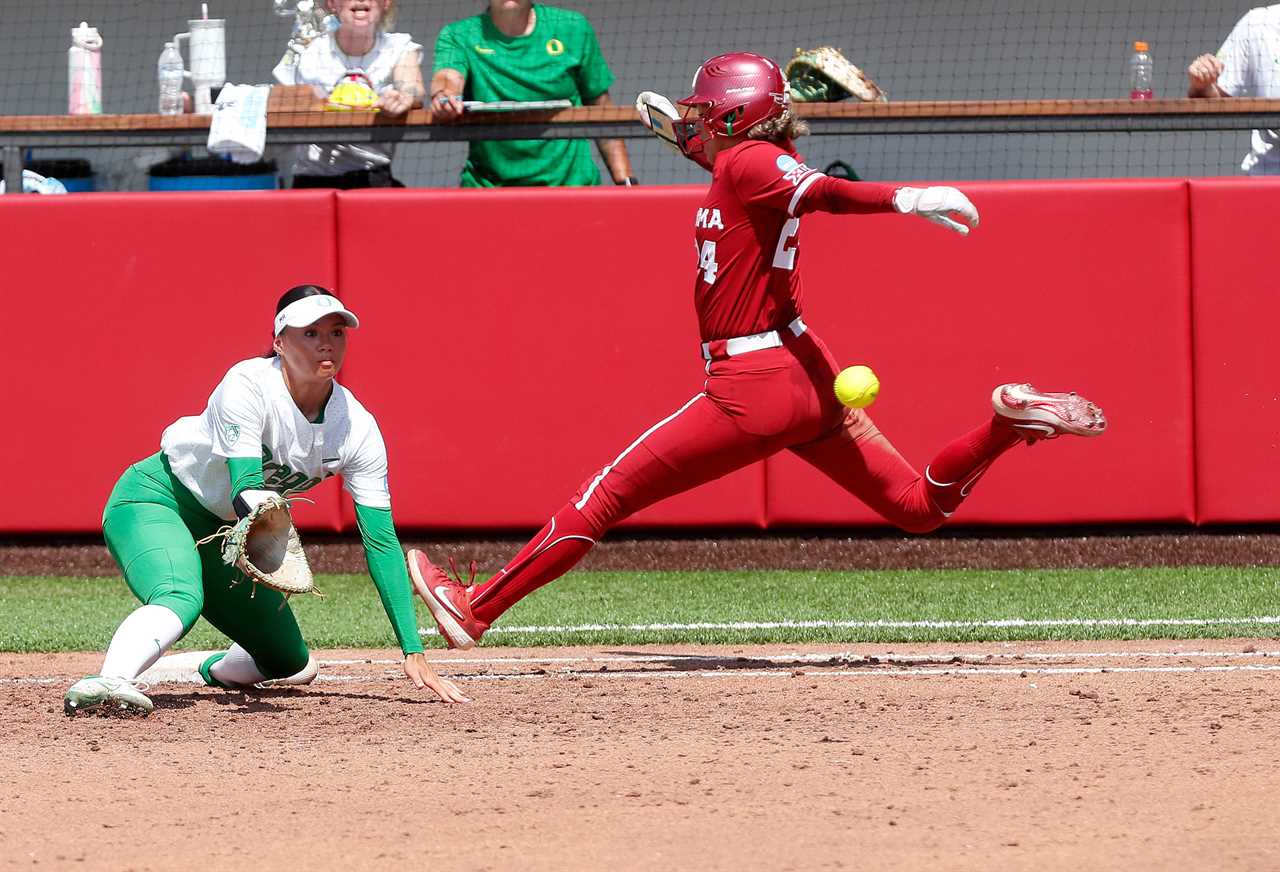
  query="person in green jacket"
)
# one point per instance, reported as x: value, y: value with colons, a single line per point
x: 278, y: 424
x: 520, y: 50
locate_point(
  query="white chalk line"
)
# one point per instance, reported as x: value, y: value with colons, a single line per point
x: 1005, y: 623
x: 889, y: 657
x: 965, y: 665
x: 876, y: 673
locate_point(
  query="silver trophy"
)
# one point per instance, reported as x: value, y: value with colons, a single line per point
x: 310, y: 20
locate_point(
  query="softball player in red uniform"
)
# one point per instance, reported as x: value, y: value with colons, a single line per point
x: 769, y: 377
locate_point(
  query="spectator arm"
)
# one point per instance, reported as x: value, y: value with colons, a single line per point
x: 407, y: 78
x: 613, y: 151
x: 447, y: 81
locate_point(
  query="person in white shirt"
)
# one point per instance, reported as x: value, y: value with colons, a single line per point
x: 1247, y: 65
x: 279, y: 424
x: 393, y: 64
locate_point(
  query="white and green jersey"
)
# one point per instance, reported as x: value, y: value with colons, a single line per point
x: 250, y: 415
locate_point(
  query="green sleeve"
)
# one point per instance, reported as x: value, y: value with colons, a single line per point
x: 594, y: 75
x: 386, y: 564
x: 246, y: 474
x: 451, y: 54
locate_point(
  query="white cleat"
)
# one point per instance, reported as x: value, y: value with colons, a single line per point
x: 1040, y: 415
x: 96, y: 691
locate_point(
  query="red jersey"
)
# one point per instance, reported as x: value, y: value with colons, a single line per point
x: 747, y: 234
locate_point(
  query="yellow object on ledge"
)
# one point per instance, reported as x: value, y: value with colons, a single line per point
x: 353, y: 91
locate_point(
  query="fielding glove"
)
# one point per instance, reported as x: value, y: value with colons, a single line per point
x: 265, y: 547
x: 824, y: 75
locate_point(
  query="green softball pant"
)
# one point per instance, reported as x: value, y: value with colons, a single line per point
x: 151, y: 524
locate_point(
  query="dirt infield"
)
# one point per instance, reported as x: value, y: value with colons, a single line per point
x: 1012, y: 756
x: 1046, y: 756
x: 865, y: 550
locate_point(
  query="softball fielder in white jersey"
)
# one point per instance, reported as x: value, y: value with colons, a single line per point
x: 280, y: 424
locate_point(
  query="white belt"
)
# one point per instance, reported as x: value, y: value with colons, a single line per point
x: 756, y: 341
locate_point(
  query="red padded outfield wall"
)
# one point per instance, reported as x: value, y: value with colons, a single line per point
x: 1235, y: 238
x: 547, y: 329
x: 516, y: 341
x: 123, y: 311
x: 536, y: 335
x: 1050, y: 289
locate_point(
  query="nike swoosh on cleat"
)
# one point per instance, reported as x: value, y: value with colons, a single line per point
x: 443, y: 599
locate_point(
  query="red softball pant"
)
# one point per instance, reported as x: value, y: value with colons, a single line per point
x: 754, y: 405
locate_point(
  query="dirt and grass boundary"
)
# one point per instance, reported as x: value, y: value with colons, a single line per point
x: 1071, y: 548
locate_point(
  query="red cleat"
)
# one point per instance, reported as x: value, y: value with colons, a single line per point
x: 449, y: 600
x: 1040, y: 415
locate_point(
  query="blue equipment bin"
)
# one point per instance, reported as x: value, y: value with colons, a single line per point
x: 212, y: 174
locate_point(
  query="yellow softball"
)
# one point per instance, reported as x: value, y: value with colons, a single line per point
x: 857, y: 387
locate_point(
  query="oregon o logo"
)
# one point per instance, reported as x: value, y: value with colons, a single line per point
x: 555, y: 47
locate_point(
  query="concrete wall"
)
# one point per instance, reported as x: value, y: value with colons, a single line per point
x: 916, y: 49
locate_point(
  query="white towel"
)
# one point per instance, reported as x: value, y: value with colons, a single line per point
x: 239, y: 128
x: 34, y: 183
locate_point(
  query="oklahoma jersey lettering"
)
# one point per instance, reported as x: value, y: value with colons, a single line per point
x: 747, y: 237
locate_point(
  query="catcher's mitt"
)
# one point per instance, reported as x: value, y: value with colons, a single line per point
x: 824, y: 75
x: 265, y: 546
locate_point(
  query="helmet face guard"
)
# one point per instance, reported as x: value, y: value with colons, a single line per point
x: 691, y: 136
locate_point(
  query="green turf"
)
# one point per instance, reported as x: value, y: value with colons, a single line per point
x: 59, y: 614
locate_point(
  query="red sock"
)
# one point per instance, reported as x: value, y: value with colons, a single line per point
x: 957, y: 468
x: 559, y: 545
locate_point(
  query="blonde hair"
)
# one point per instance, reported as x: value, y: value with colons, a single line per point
x: 786, y: 126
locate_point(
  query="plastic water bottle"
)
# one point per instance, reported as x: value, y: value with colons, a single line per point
x: 1141, y: 73
x: 84, y: 71
x: 171, y: 73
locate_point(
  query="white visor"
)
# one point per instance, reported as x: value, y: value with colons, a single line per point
x: 309, y: 310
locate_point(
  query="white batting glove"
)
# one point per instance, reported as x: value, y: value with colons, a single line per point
x: 657, y: 113
x: 941, y: 205
x: 658, y: 102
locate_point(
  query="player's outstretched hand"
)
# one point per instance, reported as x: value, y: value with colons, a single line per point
x: 423, y: 676
x: 1204, y: 72
x: 941, y: 205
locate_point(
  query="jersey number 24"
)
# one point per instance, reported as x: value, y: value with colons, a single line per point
x: 783, y: 257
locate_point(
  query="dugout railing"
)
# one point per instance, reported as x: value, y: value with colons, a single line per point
x: 296, y: 116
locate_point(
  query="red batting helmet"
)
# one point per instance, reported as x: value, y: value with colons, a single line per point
x: 737, y: 91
